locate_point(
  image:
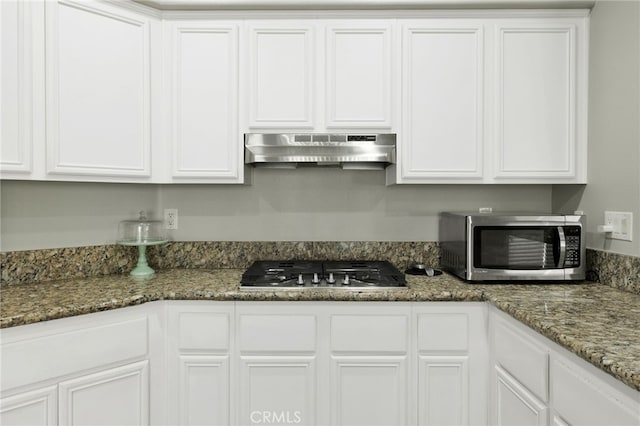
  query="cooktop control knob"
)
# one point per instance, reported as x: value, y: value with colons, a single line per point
x: 300, y: 280
x: 331, y: 280
x: 315, y: 279
x: 345, y: 280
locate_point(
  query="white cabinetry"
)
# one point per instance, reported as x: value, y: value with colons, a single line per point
x: 199, y: 338
x: 369, y: 346
x: 281, y: 75
x: 82, y: 370
x: 116, y: 396
x: 452, y: 354
x: 536, y: 382
x: 494, y: 100
x: 16, y: 137
x: 36, y: 407
x: 540, y: 95
x: 98, y: 91
x: 201, y: 97
x: 316, y: 75
x: 442, y: 104
x: 278, y: 364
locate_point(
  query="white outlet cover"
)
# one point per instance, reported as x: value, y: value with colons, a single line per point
x: 622, y: 223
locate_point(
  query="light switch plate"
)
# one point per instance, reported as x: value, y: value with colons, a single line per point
x: 622, y: 223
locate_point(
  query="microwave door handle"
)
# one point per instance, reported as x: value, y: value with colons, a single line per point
x: 563, y: 247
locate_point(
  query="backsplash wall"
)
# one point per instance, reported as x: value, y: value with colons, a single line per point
x: 615, y: 270
x: 279, y: 205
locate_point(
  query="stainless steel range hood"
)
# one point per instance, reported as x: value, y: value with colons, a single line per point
x: 349, y: 151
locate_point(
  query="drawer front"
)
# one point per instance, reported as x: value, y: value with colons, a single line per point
x: 579, y: 398
x: 369, y: 333
x: 203, y: 331
x: 42, y: 358
x: 277, y: 333
x: 443, y: 332
x: 523, y: 359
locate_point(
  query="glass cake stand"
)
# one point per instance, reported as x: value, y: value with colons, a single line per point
x: 141, y: 233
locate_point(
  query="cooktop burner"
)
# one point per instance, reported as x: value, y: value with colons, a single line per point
x: 302, y: 274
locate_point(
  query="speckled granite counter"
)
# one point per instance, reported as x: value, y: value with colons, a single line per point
x: 599, y: 323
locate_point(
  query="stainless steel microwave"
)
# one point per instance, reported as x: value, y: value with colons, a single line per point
x: 513, y: 246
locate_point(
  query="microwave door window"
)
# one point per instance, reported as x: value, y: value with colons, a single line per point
x: 514, y: 248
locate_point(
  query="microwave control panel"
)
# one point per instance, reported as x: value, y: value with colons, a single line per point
x: 572, y: 237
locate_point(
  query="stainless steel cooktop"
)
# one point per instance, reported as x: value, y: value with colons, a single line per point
x: 309, y: 274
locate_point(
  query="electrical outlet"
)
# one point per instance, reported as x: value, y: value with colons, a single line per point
x: 171, y: 218
x: 622, y: 223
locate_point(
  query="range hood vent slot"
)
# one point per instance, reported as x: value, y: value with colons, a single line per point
x: 349, y: 151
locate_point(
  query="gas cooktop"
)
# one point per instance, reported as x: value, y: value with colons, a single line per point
x: 309, y: 274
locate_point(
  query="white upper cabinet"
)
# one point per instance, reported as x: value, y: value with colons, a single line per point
x: 16, y: 139
x: 494, y: 100
x: 293, y: 63
x: 359, y: 72
x: 540, y: 100
x: 108, y: 91
x: 98, y: 108
x: 282, y: 70
x: 202, y: 92
x: 442, y: 108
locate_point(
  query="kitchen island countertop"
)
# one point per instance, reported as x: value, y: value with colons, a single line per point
x: 598, y: 323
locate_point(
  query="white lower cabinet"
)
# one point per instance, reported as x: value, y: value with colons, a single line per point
x: 452, y: 354
x: 516, y: 405
x: 86, y: 370
x: 303, y: 363
x: 116, y: 396
x: 536, y: 382
x: 277, y: 373
x: 198, y: 345
x: 369, y: 354
x: 33, y: 408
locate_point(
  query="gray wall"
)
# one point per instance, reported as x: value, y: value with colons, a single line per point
x: 614, y: 125
x: 301, y: 205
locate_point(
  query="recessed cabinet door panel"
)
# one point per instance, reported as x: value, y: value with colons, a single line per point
x: 98, y: 95
x: 536, y: 100
x: 515, y: 405
x: 35, y: 408
x: 204, y: 394
x: 443, y: 101
x: 359, y: 70
x: 204, y: 80
x: 281, y: 76
x: 369, y: 391
x: 443, y: 394
x: 15, y: 138
x: 278, y: 390
x: 119, y: 396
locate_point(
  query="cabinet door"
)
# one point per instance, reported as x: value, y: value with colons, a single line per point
x: 98, y: 91
x: 118, y: 396
x: 198, y: 343
x: 278, y: 363
x: 515, y: 405
x: 369, y: 390
x: 537, y: 116
x: 203, y: 102
x: 359, y: 74
x: 33, y: 408
x: 16, y: 142
x: 281, y: 74
x: 369, y: 346
x: 278, y: 389
x: 442, y: 107
x: 452, y: 363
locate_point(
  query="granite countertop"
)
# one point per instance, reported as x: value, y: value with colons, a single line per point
x: 598, y: 323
